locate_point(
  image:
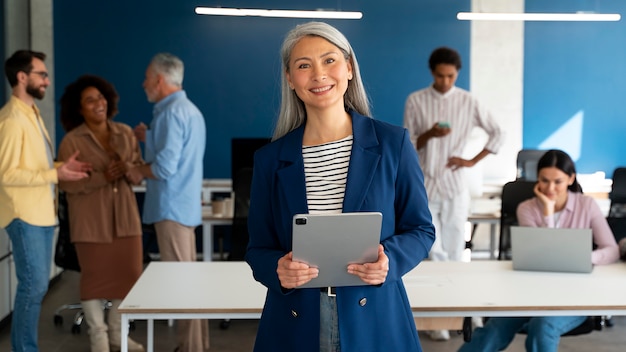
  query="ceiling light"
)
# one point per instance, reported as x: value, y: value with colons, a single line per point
x: 221, y: 11
x: 579, y: 16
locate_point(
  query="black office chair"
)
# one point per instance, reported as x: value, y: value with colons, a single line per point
x: 617, y: 212
x: 513, y: 193
x: 239, y: 235
x: 527, y: 164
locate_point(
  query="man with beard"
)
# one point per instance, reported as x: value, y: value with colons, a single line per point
x: 28, y: 176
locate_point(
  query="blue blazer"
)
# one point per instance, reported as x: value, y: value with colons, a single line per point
x: 383, y: 175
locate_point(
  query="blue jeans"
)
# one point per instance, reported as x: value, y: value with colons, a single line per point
x: 329, y: 324
x: 32, y: 254
x: 544, y: 333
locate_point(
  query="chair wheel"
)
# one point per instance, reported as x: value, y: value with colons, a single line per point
x: 58, y: 320
x: 224, y: 324
x: 75, y: 329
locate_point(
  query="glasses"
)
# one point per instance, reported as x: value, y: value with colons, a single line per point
x: 42, y: 74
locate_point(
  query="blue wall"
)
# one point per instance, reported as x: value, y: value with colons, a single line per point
x: 232, y: 64
x: 577, y: 68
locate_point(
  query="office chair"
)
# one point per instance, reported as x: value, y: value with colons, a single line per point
x: 617, y: 212
x: 242, y: 154
x: 513, y: 193
x: 527, y: 164
x: 242, y: 183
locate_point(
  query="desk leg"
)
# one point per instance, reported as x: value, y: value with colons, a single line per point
x: 150, y: 335
x: 124, y: 336
x: 207, y: 241
x: 492, y: 243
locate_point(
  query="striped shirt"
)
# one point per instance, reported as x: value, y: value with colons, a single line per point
x: 458, y: 107
x: 325, y: 173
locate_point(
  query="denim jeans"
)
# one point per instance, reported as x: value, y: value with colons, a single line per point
x: 329, y: 324
x: 544, y: 333
x: 32, y: 255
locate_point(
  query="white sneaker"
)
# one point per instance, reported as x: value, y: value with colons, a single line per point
x: 439, y: 335
x: 477, y: 322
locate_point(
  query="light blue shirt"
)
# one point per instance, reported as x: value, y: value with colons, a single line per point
x: 174, y: 149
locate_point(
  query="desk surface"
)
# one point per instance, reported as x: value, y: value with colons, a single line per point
x: 490, y: 288
x: 493, y: 288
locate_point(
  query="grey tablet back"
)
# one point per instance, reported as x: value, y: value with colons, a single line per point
x: 332, y: 241
x: 550, y: 249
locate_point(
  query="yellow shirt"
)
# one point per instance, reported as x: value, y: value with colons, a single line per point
x: 25, y: 173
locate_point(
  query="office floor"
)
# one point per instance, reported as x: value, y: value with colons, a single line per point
x: 240, y: 335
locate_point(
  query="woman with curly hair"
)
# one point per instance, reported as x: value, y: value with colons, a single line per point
x: 104, y: 219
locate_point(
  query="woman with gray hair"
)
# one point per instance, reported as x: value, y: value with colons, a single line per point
x: 328, y: 156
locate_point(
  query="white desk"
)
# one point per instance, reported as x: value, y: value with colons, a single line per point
x: 227, y: 290
x: 208, y: 223
x: 493, y: 220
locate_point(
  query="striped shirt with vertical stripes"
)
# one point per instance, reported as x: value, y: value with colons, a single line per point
x: 457, y: 106
x: 325, y: 173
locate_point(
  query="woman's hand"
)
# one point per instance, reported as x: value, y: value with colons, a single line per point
x: 293, y: 274
x: 115, y: 170
x: 372, y: 273
x: 548, y: 204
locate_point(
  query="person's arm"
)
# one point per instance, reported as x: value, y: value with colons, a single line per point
x: 414, y: 231
x: 495, y: 135
x: 530, y: 213
x: 433, y: 132
x: 607, y: 250
x: 420, y: 133
x: 11, y: 139
x: 95, y: 179
x: 136, y: 162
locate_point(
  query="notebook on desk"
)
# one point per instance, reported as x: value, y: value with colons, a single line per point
x: 550, y: 249
x: 330, y: 242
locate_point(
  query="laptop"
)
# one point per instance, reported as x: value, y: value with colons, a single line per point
x: 330, y: 242
x: 550, y: 249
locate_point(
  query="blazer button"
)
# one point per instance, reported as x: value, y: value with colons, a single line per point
x: 363, y: 301
x: 294, y: 313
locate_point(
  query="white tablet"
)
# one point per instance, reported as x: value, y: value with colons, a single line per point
x: 330, y: 242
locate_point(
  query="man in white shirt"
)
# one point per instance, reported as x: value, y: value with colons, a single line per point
x: 440, y: 119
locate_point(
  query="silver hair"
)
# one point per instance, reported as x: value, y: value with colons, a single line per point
x: 292, y: 111
x: 170, y: 66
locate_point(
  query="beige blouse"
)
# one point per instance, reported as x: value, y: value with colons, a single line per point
x: 99, y: 210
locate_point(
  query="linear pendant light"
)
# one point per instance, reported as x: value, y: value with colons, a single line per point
x: 579, y: 16
x: 222, y: 11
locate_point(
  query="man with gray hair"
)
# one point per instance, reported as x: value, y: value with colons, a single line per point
x: 174, y: 152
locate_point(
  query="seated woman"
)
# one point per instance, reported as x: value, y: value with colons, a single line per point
x: 558, y: 202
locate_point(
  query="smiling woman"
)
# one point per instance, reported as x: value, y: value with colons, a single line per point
x: 328, y: 157
x: 103, y: 213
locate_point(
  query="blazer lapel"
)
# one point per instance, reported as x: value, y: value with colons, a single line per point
x: 363, y: 162
x: 291, y: 176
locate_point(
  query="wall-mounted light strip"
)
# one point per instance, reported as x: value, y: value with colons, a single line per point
x: 221, y: 11
x: 582, y: 16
